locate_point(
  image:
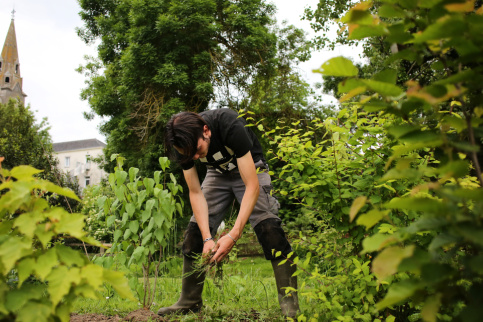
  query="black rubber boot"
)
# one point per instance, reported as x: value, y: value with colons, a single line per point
x: 289, y: 302
x: 191, y: 289
x: 192, y: 283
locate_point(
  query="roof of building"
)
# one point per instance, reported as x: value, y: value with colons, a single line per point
x: 78, y: 145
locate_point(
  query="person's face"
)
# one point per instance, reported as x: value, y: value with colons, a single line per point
x: 202, y: 145
x: 202, y: 148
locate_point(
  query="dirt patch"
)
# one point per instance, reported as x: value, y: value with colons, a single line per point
x: 145, y: 315
x: 93, y: 317
x: 142, y: 316
x: 135, y: 316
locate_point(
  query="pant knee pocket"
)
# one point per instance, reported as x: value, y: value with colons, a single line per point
x: 272, y: 202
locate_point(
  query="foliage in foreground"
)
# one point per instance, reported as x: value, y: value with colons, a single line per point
x: 39, y: 277
x: 425, y: 227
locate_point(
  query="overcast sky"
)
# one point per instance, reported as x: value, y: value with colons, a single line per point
x: 50, y: 51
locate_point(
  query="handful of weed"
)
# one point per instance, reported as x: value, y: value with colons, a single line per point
x: 202, y: 265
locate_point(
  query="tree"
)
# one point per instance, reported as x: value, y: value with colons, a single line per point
x: 160, y: 57
x: 23, y: 141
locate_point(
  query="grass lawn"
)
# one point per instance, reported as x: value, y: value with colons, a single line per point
x: 246, y: 291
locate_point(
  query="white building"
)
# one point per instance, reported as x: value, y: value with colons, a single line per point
x: 75, y: 158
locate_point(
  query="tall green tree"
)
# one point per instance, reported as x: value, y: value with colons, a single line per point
x: 23, y: 141
x: 156, y: 58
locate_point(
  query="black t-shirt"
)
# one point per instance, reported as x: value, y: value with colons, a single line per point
x: 230, y: 139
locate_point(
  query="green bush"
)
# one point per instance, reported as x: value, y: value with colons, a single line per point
x: 141, y: 212
x: 39, y: 277
x: 96, y: 224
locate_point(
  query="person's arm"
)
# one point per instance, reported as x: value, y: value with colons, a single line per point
x: 199, y: 206
x: 249, y: 176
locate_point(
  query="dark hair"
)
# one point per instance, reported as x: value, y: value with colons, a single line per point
x: 183, y: 131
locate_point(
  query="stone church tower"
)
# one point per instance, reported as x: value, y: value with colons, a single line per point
x: 10, y: 79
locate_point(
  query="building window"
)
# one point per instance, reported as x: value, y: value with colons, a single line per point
x: 67, y: 162
x: 88, y: 181
x: 88, y: 158
x: 16, y: 69
x: 7, y: 79
x: 0, y: 65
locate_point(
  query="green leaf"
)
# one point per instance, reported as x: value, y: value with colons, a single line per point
x: 133, y: 172
x: 24, y: 172
x: 149, y: 184
x: 12, y: 250
x: 117, y: 235
x: 48, y: 186
x: 164, y: 163
x: 119, y: 283
x: 25, y: 268
x: 455, y: 122
x: 157, y: 176
x: 137, y: 254
x: 93, y: 274
x: 17, y: 298
x: 422, y: 137
x: 70, y: 224
x: 134, y: 226
x: 377, y: 242
x: 34, y: 312
x: 338, y: 66
x: 159, y: 234
x: 426, y: 223
x: 358, y: 203
x: 110, y: 220
x: 145, y: 216
x: 387, y: 262
x: 366, y: 31
x: 101, y: 201
x: 397, y: 293
x: 60, y: 282
x: 371, y: 218
x: 350, y: 84
x: 120, y: 177
x: 70, y: 257
x: 127, y: 233
x: 445, y: 28
x: 417, y: 204
x: 45, y: 263
x: 146, y: 239
x: 400, y: 130
x: 431, y: 308
x: 43, y: 234
x: 27, y: 223
x: 130, y: 209
x: 383, y: 88
x: 390, y: 11
x: 386, y: 76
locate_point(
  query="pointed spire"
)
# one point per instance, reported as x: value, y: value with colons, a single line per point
x: 10, y: 79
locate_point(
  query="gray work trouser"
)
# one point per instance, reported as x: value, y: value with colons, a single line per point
x: 220, y: 190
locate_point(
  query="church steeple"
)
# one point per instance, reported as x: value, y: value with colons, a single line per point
x: 10, y: 79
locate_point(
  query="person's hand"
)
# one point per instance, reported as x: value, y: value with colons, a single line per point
x: 208, y: 247
x: 222, y: 248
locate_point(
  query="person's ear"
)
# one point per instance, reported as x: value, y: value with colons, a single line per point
x: 206, y: 131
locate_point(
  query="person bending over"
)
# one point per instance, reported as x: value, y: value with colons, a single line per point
x: 236, y: 168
